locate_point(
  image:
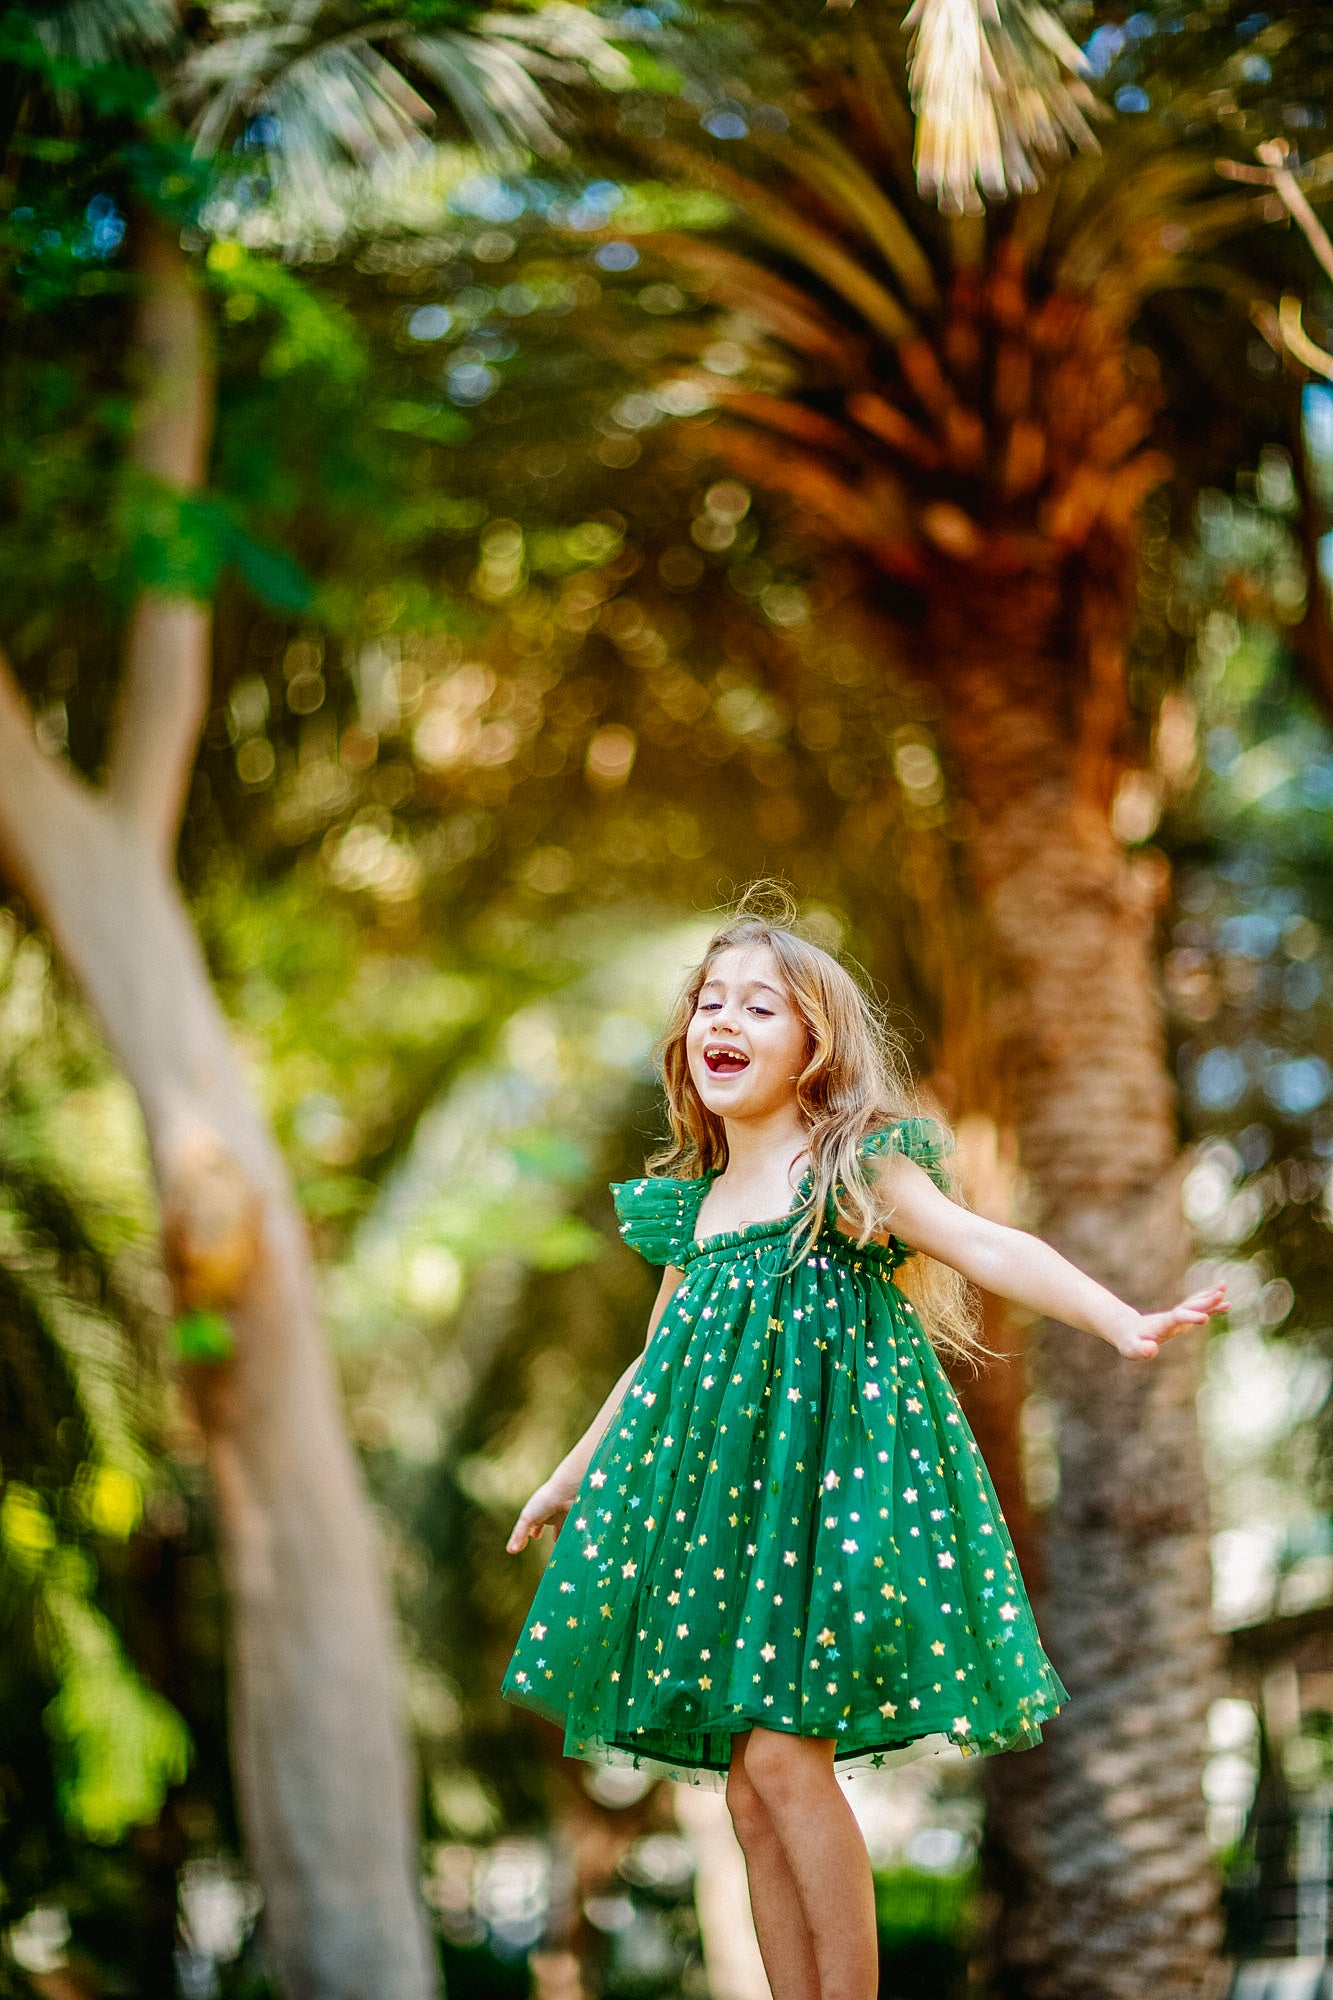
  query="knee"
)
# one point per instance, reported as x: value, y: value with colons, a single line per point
x: 749, y: 1815
x: 780, y: 1770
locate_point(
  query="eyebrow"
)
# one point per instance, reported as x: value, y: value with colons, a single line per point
x: 751, y: 986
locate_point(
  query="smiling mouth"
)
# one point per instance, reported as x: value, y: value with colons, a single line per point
x: 725, y: 1062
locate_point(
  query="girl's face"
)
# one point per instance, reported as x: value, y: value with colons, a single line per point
x: 746, y: 1043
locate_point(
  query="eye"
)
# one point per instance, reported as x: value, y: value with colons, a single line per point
x: 767, y: 1012
x: 709, y: 1006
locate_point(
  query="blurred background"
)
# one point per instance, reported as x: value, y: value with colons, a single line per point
x: 498, y: 482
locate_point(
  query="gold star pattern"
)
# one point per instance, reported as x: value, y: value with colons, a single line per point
x: 789, y: 1448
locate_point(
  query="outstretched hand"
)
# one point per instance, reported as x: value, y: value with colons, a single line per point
x: 1144, y: 1333
x: 546, y: 1509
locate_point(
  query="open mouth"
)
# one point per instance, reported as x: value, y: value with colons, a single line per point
x: 725, y: 1061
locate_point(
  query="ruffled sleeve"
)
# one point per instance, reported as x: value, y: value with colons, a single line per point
x: 656, y: 1215
x: 921, y: 1139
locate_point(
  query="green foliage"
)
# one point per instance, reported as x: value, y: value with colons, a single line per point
x: 118, y: 1745
x: 928, y: 1928
x: 105, y: 1696
x: 109, y: 89
x: 202, y: 1336
x: 312, y: 331
x: 179, y: 545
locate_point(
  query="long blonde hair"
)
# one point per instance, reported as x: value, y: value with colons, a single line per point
x: 855, y: 1081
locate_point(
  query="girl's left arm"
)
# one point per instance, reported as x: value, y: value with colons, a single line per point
x: 1021, y: 1267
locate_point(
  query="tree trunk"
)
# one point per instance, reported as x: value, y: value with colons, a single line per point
x: 320, y: 1767
x: 994, y: 1396
x: 1108, y: 1885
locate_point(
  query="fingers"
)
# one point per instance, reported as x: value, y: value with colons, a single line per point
x: 546, y: 1508
x: 1176, y: 1321
x: 1196, y: 1310
x: 524, y: 1529
x: 1157, y: 1328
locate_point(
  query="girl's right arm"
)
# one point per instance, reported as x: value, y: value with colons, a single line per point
x: 553, y: 1499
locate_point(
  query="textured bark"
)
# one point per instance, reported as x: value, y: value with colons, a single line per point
x: 992, y: 1401
x: 1108, y: 1885
x: 993, y: 1396
x: 321, y: 1772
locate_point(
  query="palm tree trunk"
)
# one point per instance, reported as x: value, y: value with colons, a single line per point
x: 1108, y: 1885
x: 321, y: 1772
x: 994, y: 1395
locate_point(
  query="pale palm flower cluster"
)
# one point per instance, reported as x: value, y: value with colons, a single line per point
x: 998, y: 88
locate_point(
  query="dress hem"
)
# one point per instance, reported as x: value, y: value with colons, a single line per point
x: 931, y: 1736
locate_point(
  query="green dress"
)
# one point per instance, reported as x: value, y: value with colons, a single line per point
x: 787, y: 1522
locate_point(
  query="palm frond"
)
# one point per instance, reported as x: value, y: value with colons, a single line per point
x: 492, y: 86
x: 871, y: 512
x: 880, y: 105
x: 90, y: 32
x: 782, y: 223
x: 829, y: 169
x: 564, y: 39
x: 789, y: 419
x: 998, y: 89
x: 322, y: 97
x: 324, y: 92
x: 743, y: 285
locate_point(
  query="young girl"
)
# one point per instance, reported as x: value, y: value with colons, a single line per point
x: 783, y: 1549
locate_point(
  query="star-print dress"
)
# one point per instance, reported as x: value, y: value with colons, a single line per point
x: 787, y: 1521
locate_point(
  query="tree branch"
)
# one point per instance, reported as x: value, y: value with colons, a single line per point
x: 160, y: 710
x: 1273, y: 153
x: 173, y: 428
x: 163, y: 693
x: 37, y: 795
x: 1297, y: 340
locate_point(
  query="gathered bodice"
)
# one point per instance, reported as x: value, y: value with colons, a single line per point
x: 658, y: 1215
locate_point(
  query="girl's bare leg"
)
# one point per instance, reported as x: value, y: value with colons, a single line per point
x: 785, y: 1943
x: 832, y: 1953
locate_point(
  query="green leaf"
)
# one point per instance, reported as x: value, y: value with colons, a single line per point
x: 426, y: 420
x: 203, y: 1336
x: 313, y: 331
x: 176, y: 543
x: 274, y: 576
x: 111, y: 89
x: 119, y: 1745
x: 650, y: 72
